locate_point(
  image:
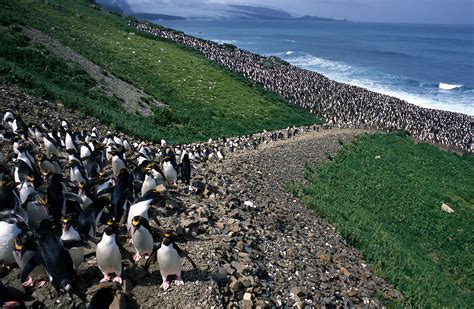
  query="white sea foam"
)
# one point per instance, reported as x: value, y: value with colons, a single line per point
x: 448, y: 86
x: 290, y: 52
x: 234, y: 42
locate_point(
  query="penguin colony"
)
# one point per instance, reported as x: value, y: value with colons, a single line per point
x: 342, y: 105
x: 63, y: 192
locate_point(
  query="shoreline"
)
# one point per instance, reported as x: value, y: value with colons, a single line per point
x: 341, y: 105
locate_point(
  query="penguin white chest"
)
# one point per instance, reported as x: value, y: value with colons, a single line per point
x: 8, y: 232
x: 142, y: 240
x: 117, y: 165
x: 77, y: 254
x: 169, y: 172
x: 169, y: 261
x: 109, y: 258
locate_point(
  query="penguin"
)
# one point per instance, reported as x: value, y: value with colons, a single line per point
x: 10, y: 228
x: 53, y: 254
x: 108, y: 296
x: 26, y: 189
x: 9, y: 195
x: 148, y: 184
x: 10, y: 300
x: 25, y: 249
x: 118, y: 162
x: 8, y: 120
x: 169, y: 255
x: 119, y: 196
x: 76, y: 172
x: 141, y: 207
x: 26, y: 166
x: 37, y: 210
x: 169, y: 171
x: 70, y: 233
x: 70, y: 142
x: 186, y: 169
x: 95, y: 162
x: 55, y: 196
x: 48, y: 166
x: 85, y: 151
x: 142, y: 238
x: 89, y: 218
x: 51, y: 145
x: 109, y: 258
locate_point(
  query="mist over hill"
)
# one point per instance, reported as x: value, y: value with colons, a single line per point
x: 167, y: 10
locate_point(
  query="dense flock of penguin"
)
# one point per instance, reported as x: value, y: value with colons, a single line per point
x: 341, y: 105
x: 63, y: 191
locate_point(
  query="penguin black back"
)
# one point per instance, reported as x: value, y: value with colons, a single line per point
x: 186, y: 169
x: 56, y: 259
x: 120, y: 194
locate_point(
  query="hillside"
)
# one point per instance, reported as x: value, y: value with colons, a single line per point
x: 203, y: 99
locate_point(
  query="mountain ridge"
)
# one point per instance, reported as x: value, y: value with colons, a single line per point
x: 218, y: 12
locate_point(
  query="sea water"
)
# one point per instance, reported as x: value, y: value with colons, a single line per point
x: 427, y: 65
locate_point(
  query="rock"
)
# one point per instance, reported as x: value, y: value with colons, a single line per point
x: 298, y: 291
x: 344, y: 271
x: 351, y: 293
x: 249, y: 204
x: 199, y: 186
x: 234, y: 285
x: 446, y: 208
x: 248, y: 296
x: 239, y: 267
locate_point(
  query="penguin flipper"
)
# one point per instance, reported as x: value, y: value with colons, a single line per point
x: 28, y: 268
x: 184, y: 253
x: 152, y: 257
x: 74, y: 243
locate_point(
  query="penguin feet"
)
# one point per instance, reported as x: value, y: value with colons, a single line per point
x: 165, y: 285
x: 137, y: 257
x: 117, y: 279
x: 42, y: 283
x: 105, y: 279
x: 179, y: 281
x: 28, y: 283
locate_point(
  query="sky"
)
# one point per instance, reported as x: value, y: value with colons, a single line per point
x: 409, y: 11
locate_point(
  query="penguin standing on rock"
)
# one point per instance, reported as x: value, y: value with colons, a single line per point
x: 169, y: 171
x: 186, y: 169
x: 169, y: 258
x: 109, y: 258
x: 10, y: 228
x: 54, y: 256
x: 141, y: 237
x: 69, y: 233
x: 25, y: 249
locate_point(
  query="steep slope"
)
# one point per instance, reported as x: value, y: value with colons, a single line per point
x: 204, y: 99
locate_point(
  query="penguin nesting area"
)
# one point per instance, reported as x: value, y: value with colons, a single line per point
x: 253, y: 244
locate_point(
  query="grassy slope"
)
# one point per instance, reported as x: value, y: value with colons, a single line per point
x: 390, y: 209
x: 205, y: 100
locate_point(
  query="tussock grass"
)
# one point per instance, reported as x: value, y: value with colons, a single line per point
x: 204, y: 99
x: 390, y: 209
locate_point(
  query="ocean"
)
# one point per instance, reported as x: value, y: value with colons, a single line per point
x: 427, y: 65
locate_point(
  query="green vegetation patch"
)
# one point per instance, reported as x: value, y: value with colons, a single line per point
x: 204, y: 99
x: 384, y: 193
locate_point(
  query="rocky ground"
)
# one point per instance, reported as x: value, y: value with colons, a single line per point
x: 255, y: 245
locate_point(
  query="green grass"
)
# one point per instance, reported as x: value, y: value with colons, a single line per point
x: 204, y: 99
x: 390, y: 209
